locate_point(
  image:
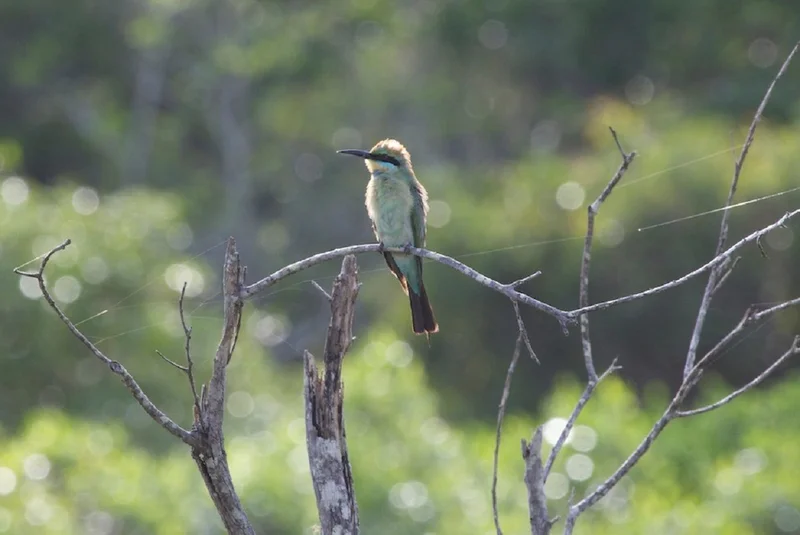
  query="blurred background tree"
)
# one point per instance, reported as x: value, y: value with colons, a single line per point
x: 147, y: 131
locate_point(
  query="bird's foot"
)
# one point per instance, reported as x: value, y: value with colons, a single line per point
x: 381, y: 247
x: 407, y: 248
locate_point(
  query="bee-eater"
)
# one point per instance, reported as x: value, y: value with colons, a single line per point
x: 397, y: 204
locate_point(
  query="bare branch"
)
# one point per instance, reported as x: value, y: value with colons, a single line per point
x: 127, y: 379
x: 714, y: 275
x: 324, y: 401
x: 187, y: 334
x: 584, y: 399
x: 564, y: 317
x: 523, y: 332
x: 794, y: 350
x: 321, y: 289
x: 171, y: 362
x: 751, y: 132
x: 210, y: 457
x: 669, y: 414
x: 506, y: 289
x: 587, y: 255
x: 714, y: 262
x: 534, y: 481
x: 578, y: 508
x: 777, y: 308
x: 501, y: 412
x: 517, y: 283
x: 727, y: 268
x: 750, y: 317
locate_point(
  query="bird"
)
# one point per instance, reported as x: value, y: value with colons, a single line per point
x: 397, y: 204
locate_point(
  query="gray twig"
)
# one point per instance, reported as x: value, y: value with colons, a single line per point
x: 586, y: 342
x: 138, y: 394
x: 794, y: 350
x: 517, y: 283
x: 501, y: 412
x: 523, y: 332
x: 715, y: 274
x: 171, y: 362
x: 711, y: 264
x: 316, y: 285
x: 189, y: 369
x: 591, y: 385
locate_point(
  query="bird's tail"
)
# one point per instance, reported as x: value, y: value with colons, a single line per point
x: 422, y: 317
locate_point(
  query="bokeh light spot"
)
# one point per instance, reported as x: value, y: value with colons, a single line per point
x: 780, y: 239
x: 553, y: 428
x: 787, y: 518
x: 272, y: 330
x: 570, y: 195
x: 38, y: 511
x: 584, y: 438
x: 178, y: 274
x: 67, y: 289
x: 5, y: 520
x: 640, y: 90
x: 8, y: 481
x: 409, y: 494
x: 545, y: 136
x: 611, y: 233
x: 100, y: 441
x: 94, y: 270
x: 99, y: 523
x: 493, y: 34
x: 14, y: 191
x: 750, y: 461
x: 240, y: 404
x: 308, y: 167
x: 85, y: 201
x: 438, y: 214
x: 728, y: 481
x: 36, y: 466
x: 557, y: 486
x: 579, y: 467
x: 434, y: 430
x: 762, y: 52
x: 29, y: 288
x: 399, y: 354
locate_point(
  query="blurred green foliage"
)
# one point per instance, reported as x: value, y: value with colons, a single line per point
x: 147, y: 131
x: 730, y: 472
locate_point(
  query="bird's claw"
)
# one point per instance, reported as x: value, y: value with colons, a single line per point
x: 381, y: 247
x: 407, y: 248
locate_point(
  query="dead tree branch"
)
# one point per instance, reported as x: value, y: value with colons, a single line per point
x: 534, y: 482
x: 324, y: 401
x: 716, y: 273
x: 719, y: 269
x: 211, y: 459
x: 587, y: 255
x: 206, y: 438
x: 501, y: 412
x: 586, y: 342
x: 136, y: 391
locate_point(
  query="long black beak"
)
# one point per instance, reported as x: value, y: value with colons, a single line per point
x: 356, y: 152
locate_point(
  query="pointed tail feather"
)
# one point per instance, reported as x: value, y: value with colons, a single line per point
x: 422, y: 317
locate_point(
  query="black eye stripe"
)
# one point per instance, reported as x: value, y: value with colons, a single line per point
x: 386, y: 158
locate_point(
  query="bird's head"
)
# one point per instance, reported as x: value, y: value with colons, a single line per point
x: 387, y: 156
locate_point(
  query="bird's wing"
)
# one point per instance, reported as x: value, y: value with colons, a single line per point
x: 419, y: 214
